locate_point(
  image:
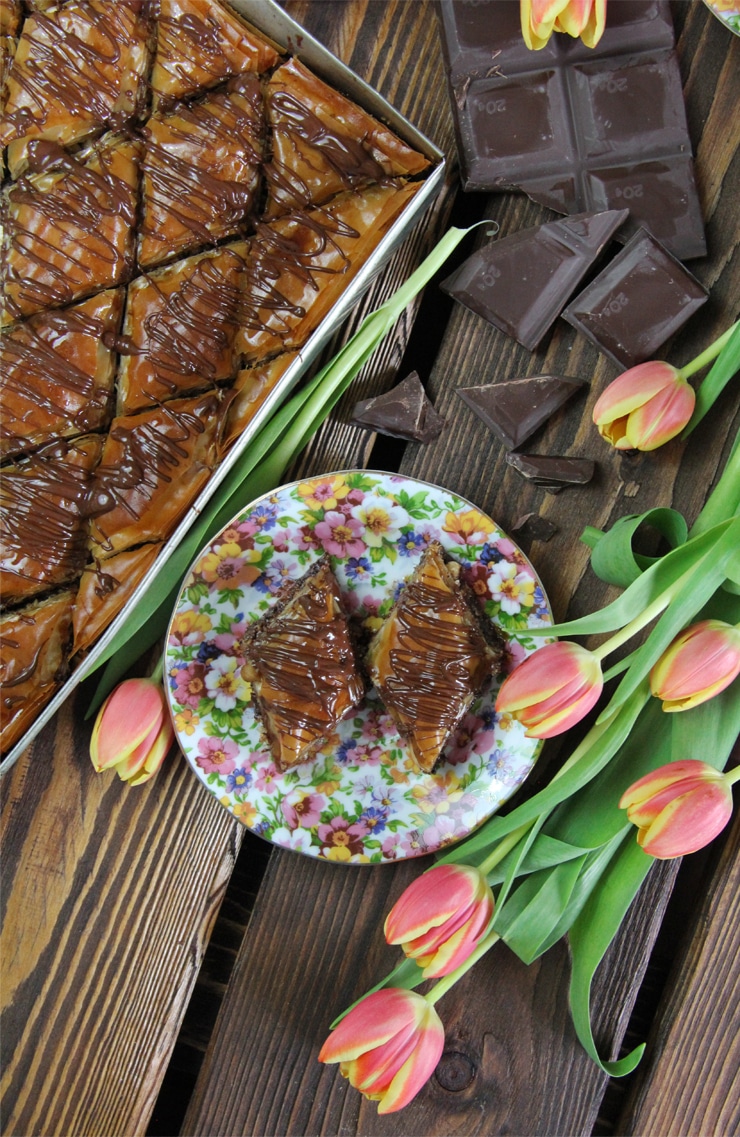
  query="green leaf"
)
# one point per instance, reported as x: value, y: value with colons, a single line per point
x: 590, y: 935
x: 726, y: 365
x: 536, y: 907
x: 597, y: 748
x: 688, y: 600
x: 642, y: 592
x: 613, y: 558
x: 724, y: 500
x: 545, y: 852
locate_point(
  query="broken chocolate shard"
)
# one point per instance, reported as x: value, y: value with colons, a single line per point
x: 637, y: 302
x: 403, y: 412
x: 514, y: 410
x: 552, y: 473
x: 535, y: 527
x: 521, y: 283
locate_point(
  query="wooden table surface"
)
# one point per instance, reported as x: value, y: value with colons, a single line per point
x: 110, y: 894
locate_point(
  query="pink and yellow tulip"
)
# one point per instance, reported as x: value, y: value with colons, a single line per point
x: 133, y: 731
x: 552, y: 689
x: 701, y: 662
x: 540, y: 18
x: 678, y: 808
x: 388, y: 1046
x: 644, y: 407
x: 440, y: 918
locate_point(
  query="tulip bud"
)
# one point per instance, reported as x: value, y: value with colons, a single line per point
x: 441, y: 917
x: 644, y: 407
x: 388, y: 1046
x: 552, y: 689
x: 540, y: 18
x: 133, y: 731
x: 678, y: 808
x: 701, y: 662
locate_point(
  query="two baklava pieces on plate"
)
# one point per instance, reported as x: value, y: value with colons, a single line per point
x: 309, y: 667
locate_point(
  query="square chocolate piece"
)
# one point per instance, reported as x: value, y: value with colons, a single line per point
x: 638, y: 302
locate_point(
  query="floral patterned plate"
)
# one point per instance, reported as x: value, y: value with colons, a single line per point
x: 361, y: 799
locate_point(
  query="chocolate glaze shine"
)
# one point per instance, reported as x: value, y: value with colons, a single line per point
x: 429, y: 659
x: 301, y: 663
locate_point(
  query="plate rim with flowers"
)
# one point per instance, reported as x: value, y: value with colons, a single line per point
x: 361, y: 800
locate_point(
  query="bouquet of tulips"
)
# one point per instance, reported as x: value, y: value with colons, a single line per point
x: 566, y: 861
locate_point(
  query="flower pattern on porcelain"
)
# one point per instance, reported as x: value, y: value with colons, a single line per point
x: 362, y: 799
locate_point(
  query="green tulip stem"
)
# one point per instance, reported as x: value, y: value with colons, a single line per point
x: 447, y: 981
x: 732, y: 776
x: 504, y: 847
x: 156, y: 675
x: 707, y: 355
x: 658, y: 605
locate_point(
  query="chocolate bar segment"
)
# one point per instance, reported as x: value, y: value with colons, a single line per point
x: 521, y: 283
x: 514, y: 410
x: 573, y: 127
x: 403, y: 412
x: 638, y: 302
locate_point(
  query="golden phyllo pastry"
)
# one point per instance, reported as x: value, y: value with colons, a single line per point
x: 69, y: 227
x: 56, y: 373
x: 201, y: 170
x: 433, y: 654
x: 44, y: 501
x: 199, y: 44
x: 78, y: 69
x: 322, y: 143
x: 180, y: 328
x: 34, y: 648
x: 301, y: 664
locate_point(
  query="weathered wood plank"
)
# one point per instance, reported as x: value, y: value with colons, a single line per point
x: 109, y: 896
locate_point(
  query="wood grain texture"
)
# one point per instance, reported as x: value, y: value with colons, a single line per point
x: 511, y: 1063
x: 108, y: 900
x: 690, y: 1086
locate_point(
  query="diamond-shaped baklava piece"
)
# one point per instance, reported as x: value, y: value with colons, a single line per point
x: 179, y: 329
x: 299, y: 265
x: 301, y: 664
x: 68, y: 231
x: 434, y: 653
x: 34, y: 645
x: 322, y: 143
x: 199, y: 44
x: 153, y: 466
x: 56, y: 373
x: 43, y: 510
x: 201, y: 170
x: 252, y: 387
x: 78, y: 69
x: 104, y: 589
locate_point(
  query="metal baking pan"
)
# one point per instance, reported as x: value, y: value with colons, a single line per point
x: 268, y: 17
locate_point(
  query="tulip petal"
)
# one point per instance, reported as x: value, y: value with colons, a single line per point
x: 632, y: 389
x: 657, y: 780
x: 373, y: 1071
x: 594, y: 29
x: 371, y: 1023
x: 689, y: 822
x: 156, y: 756
x: 126, y: 718
x: 134, y: 762
x: 430, y: 900
x: 574, y: 17
x: 662, y: 418
x: 419, y: 1067
x: 458, y: 945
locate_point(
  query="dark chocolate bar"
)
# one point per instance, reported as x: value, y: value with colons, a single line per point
x: 514, y: 410
x: 637, y: 302
x: 576, y: 128
x: 403, y: 412
x: 522, y: 282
